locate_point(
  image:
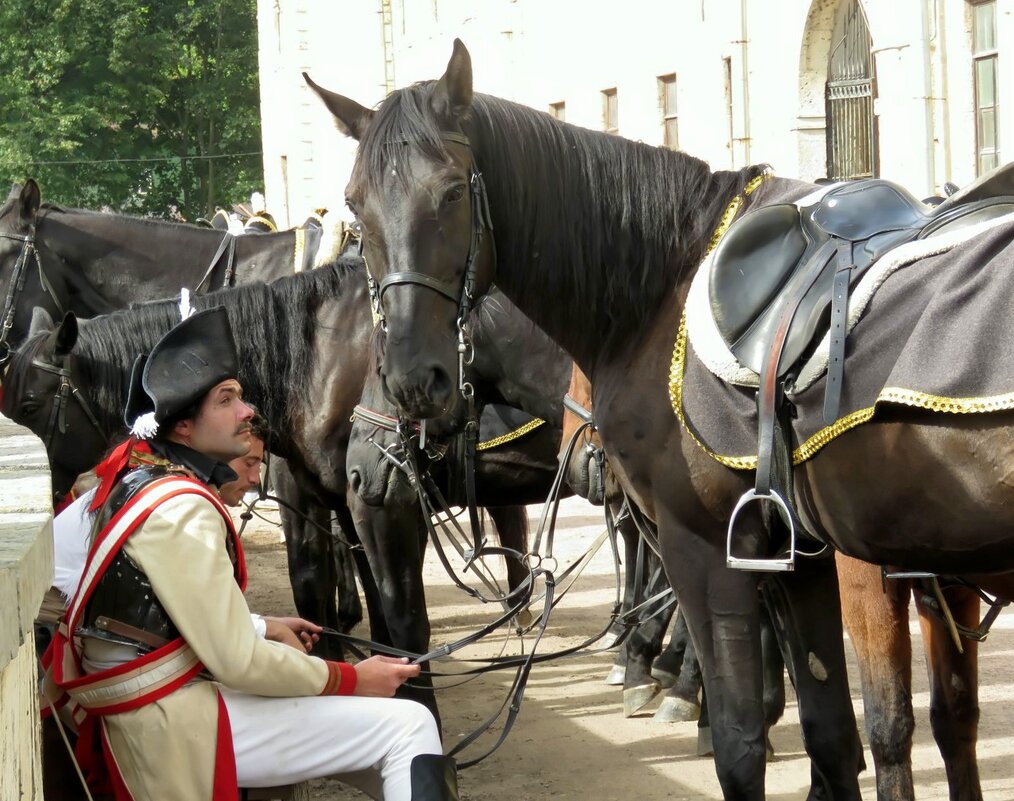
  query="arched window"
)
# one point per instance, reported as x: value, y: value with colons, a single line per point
x: 848, y: 96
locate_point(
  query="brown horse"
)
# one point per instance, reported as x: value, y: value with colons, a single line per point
x: 597, y: 240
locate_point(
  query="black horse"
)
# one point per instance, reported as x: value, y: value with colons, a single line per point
x: 66, y: 383
x: 618, y: 230
x: 596, y: 238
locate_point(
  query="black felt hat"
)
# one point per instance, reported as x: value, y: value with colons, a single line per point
x: 189, y: 361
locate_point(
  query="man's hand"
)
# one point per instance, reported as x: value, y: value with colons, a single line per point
x: 379, y: 676
x: 300, y: 634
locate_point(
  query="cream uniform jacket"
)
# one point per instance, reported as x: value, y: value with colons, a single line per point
x: 167, y: 749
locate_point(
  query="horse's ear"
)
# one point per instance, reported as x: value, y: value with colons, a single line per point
x: 350, y: 118
x: 66, y: 335
x: 41, y: 321
x: 452, y: 95
x: 29, y: 201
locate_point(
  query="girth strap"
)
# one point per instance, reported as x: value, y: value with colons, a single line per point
x: 839, y: 330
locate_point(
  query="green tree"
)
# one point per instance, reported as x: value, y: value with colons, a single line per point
x: 145, y: 103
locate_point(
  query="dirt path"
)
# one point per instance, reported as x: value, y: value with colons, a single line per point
x: 572, y: 741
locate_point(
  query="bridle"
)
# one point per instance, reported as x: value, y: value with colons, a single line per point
x: 481, y: 223
x: 28, y: 253
x: 61, y: 400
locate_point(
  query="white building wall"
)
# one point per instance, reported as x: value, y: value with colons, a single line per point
x: 547, y: 51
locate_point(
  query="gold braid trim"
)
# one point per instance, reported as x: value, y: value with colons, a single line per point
x: 517, y: 433
x: 258, y: 218
x: 680, y: 348
x: 899, y: 395
x: 297, y: 256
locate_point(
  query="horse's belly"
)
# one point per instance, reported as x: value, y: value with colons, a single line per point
x: 933, y: 492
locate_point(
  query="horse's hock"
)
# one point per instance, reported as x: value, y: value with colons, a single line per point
x: 26, y: 569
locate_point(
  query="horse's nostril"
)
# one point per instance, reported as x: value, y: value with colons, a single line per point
x: 439, y: 386
x: 355, y: 479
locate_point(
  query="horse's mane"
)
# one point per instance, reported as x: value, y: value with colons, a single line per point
x: 619, y: 220
x: 273, y: 324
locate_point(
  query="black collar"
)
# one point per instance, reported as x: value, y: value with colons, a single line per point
x: 210, y: 471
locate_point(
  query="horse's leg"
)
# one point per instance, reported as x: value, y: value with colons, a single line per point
x: 876, y: 618
x: 954, y: 690
x: 773, y: 665
x: 310, y: 555
x: 393, y: 539
x: 630, y: 536
x: 350, y: 607
x: 721, y: 611
x: 379, y: 630
x: 804, y: 606
x: 680, y: 702
x: 666, y: 668
x: 645, y: 642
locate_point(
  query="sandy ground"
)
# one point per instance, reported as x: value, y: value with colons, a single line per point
x: 572, y: 741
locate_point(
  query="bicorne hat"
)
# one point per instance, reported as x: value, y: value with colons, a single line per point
x: 189, y: 361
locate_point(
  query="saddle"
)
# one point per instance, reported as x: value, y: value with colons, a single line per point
x: 782, y: 275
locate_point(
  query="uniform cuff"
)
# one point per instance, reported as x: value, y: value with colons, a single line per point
x: 341, y: 679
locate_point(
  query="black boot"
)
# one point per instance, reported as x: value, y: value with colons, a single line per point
x: 434, y: 778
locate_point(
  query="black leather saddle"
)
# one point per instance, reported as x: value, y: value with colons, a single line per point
x: 771, y: 254
x: 782, y: 275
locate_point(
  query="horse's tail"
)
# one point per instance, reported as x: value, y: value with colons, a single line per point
x: 512, y: 529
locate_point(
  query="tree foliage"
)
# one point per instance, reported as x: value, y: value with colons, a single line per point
x: 149, y: 99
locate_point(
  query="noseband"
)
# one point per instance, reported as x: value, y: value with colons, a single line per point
x: 58, y: 414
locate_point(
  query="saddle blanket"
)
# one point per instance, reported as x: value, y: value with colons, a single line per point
x: 929, y: 327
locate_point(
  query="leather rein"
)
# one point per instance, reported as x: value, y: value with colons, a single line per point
x: 29, y: 252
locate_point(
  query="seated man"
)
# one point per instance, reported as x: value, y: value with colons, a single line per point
x: 217, y: 706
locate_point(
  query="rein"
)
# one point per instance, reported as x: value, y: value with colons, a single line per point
x: 66, y: 390
x: 18, y: 275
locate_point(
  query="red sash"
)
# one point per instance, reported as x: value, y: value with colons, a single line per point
x: 142, y: 680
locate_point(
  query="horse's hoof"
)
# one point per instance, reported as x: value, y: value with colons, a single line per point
x: 704, y: 744
x: 616, y: 675
x: 524, y: 618
x: 675, y: 709
x: 664, y: 677
x: 637, y: 698
x: 609, y: 639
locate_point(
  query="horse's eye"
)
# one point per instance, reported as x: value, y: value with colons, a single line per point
x: 351, y: 207
x: 28, y: 408
x: 454, y: 194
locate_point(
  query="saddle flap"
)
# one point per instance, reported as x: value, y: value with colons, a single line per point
x: 860, y: 210
x: 750, y: 266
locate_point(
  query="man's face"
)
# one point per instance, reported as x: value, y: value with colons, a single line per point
x: 248, y: 468
x: 221, y: 427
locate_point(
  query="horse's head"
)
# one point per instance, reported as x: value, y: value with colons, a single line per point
x: 40, y: 393
x: 21, y: 278
x: 426, y: 236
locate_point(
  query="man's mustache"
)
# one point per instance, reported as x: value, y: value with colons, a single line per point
x: 244, y: 428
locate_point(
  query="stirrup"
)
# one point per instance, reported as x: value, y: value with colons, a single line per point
x: 771, y: 565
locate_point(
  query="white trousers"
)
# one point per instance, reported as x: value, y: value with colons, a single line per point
x: 366, y: 742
